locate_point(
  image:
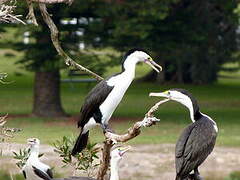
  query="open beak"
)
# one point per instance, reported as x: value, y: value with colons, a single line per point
x: 161, y: 94
x: 153, y: 65
x: 125, y: 149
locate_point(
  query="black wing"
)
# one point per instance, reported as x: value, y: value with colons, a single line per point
x: 93, y: 100
x: 75, y: 178
x: 194, y: 145
x: 49, y: 172
x: 41, y: 174
x: 24, y: 174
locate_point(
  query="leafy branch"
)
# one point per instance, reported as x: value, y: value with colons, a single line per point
x: 84, y: 161
x: 22, y: 157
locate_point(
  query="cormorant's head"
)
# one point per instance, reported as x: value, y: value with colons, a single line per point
x: 182, y: 96
x: 118, y: 152
x: 139, y: 55
x: 33, y: 142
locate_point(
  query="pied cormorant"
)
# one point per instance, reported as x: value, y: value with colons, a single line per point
x: 196, y: 141
x: 34, y: 169
x: 103, y: 99
x: 116, y: 156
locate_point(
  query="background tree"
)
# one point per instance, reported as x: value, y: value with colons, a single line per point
x: 191, y: 38
x: 41, y: 57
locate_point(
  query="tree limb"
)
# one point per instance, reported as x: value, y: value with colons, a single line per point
x: 6, y: 12
x: 31, y: 15
x: 134, y: 131
x: 55, y: 35
x: 5, y: 130
x: 54, y: 1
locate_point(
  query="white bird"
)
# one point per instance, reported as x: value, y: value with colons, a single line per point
x: 116, y: 156
x: 104, y: 98
x: 34, y: 169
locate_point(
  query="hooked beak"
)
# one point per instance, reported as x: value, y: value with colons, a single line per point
x: 124, y: 149
x: 161, y: 94
x: 153, y: 65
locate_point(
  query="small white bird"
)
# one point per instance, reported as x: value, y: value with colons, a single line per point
x: 116, y: 156
x: 34, y: 169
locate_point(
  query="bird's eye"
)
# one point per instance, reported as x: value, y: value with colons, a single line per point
x: 149, y: 58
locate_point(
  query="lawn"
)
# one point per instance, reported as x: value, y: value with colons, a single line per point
x: 221, y: 101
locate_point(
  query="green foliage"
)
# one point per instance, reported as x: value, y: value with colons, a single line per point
x: 22, y: 157
x: 40, y: 54
x: 6, y: 176
x: 84, y: 161
x: 191, y: 38
x: 234, y: 176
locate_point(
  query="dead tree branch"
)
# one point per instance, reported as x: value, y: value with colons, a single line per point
x: 134, y: 131
x: 6, y: 12
x: 4, y: 131
x: 31, y: 15
x: 53, y: 1
x: 55, y: 39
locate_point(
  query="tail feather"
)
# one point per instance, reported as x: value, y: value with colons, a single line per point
x: 81, y: 143
x: 178, y: 177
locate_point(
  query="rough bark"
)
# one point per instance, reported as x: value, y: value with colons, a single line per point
x: 47, y: 102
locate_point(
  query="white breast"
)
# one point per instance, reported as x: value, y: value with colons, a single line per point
x: 121, y: 84
x: 29, y: 169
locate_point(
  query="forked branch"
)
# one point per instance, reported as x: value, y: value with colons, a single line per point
x: 134, y: 131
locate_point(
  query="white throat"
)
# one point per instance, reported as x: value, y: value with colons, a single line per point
x: 114, y: 170
x: 188, y: 103
x: 130, y: 65
x: 34, y: 152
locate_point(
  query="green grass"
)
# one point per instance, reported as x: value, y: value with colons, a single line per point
x: 221, y: 101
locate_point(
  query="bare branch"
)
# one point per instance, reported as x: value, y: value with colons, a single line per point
x: 31, y: 15
x: 155, y: 107
x: 55, y: 39
x: 4, y: 131
x: 54, y: 1
x: 6, y: 12
x: 134, y: 131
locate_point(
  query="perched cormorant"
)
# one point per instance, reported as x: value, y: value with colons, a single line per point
x: 103, y: 99
x: 34, y: 169
x: 116, y: 156
x: 196, y: 141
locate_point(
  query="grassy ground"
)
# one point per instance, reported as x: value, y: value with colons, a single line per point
x: 221, y: 101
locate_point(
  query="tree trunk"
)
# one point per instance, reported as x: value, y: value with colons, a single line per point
x: 47, y: 101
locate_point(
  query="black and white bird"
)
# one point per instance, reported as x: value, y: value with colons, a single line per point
x: 103, y: 99
x: 116, y: 157
x: 34, y: 169
x: 196, y: 141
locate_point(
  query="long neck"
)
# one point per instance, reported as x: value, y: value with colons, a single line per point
x: 193, y: 109
x: 129, y: 66
x: 114, y: 170
x: 34, y: 152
